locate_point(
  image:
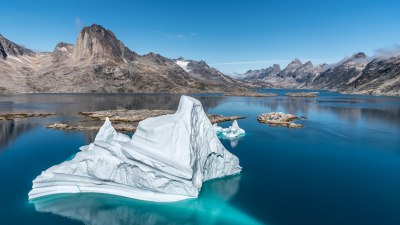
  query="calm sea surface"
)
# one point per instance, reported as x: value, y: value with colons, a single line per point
x: 343, y: 167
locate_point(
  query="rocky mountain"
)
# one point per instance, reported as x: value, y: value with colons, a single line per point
x: 9, y: 48
x: 381, y: 76
x: 201, y: 70
x: 295, y: 74
x: 355, y: 74
x: 99, y: 62
x: 263, y: 73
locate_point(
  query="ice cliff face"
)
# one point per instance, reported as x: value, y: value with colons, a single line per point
x: 167, y: 159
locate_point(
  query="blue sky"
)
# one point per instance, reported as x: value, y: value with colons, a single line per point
x: 233, y: 36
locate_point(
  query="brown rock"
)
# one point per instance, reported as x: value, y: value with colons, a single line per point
x: 279, y: 119
x: 251, y: 94
x: 12, y: 116
x: 302, y: 94
x: 125, y: 120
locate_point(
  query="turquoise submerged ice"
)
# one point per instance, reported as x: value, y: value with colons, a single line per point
x: 167, y: 159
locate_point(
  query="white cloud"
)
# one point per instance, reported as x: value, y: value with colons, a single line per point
x: 249, y: 62
x: 387, y: 52
x: 277, y: 61
x: 176, y: 36
x: 78, y: 23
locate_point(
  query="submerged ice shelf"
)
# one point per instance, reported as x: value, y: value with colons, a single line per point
x: 167, y: 159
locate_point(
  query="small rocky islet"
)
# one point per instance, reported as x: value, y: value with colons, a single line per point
x: 302, y: 94
x: 250, y: 94
x: 280, y: 119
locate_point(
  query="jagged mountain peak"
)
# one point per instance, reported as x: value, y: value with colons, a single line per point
x: 99, y: 45
x: 63, y: 47
x: 10, y: 48
x: 63, y: 44
x: 293, y: 65
x: 201, y: 63
x: 61, y: 52
x: 276, y: 67
x: 153, y: 55
x: 295, y: 62
x: 308, y: 64
x: 359, y: 55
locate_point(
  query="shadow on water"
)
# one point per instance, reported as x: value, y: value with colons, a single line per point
x: 212, y: 207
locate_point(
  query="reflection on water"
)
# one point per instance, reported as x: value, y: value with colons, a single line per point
x: 67, y: 107
x: 10, y: 130
x: 234, y: 141
x: 211, y: 207
x: 347, y: 154
x: 68, y: 104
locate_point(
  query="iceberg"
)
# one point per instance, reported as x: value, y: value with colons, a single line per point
x: 167, y: 159
x: 232, y: 133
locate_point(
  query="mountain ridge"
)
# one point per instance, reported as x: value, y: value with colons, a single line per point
x: 100, y: 62
x: 357, y: 74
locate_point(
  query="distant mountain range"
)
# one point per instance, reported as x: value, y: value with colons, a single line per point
x: 99, y: 62
x: 357, y: 74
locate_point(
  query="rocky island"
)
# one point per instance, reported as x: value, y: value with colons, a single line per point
x: 251, y: 94
x: 302, y: 94
x: 279, y: 119
x: 125, y: 120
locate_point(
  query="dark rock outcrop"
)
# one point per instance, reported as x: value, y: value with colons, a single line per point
x: 10, y: 48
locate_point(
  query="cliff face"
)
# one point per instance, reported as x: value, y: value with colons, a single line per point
x: 99, y: 62
x: 100, y: 45
x: 356, y: 74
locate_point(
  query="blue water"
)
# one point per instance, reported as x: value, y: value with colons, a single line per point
x: 342, y: 168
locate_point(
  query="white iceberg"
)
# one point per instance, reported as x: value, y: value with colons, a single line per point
x: 230, y: 132
x: 167, y: 159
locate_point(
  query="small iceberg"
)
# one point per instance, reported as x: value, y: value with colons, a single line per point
x: 232, y: 133
x: 167, y: 159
